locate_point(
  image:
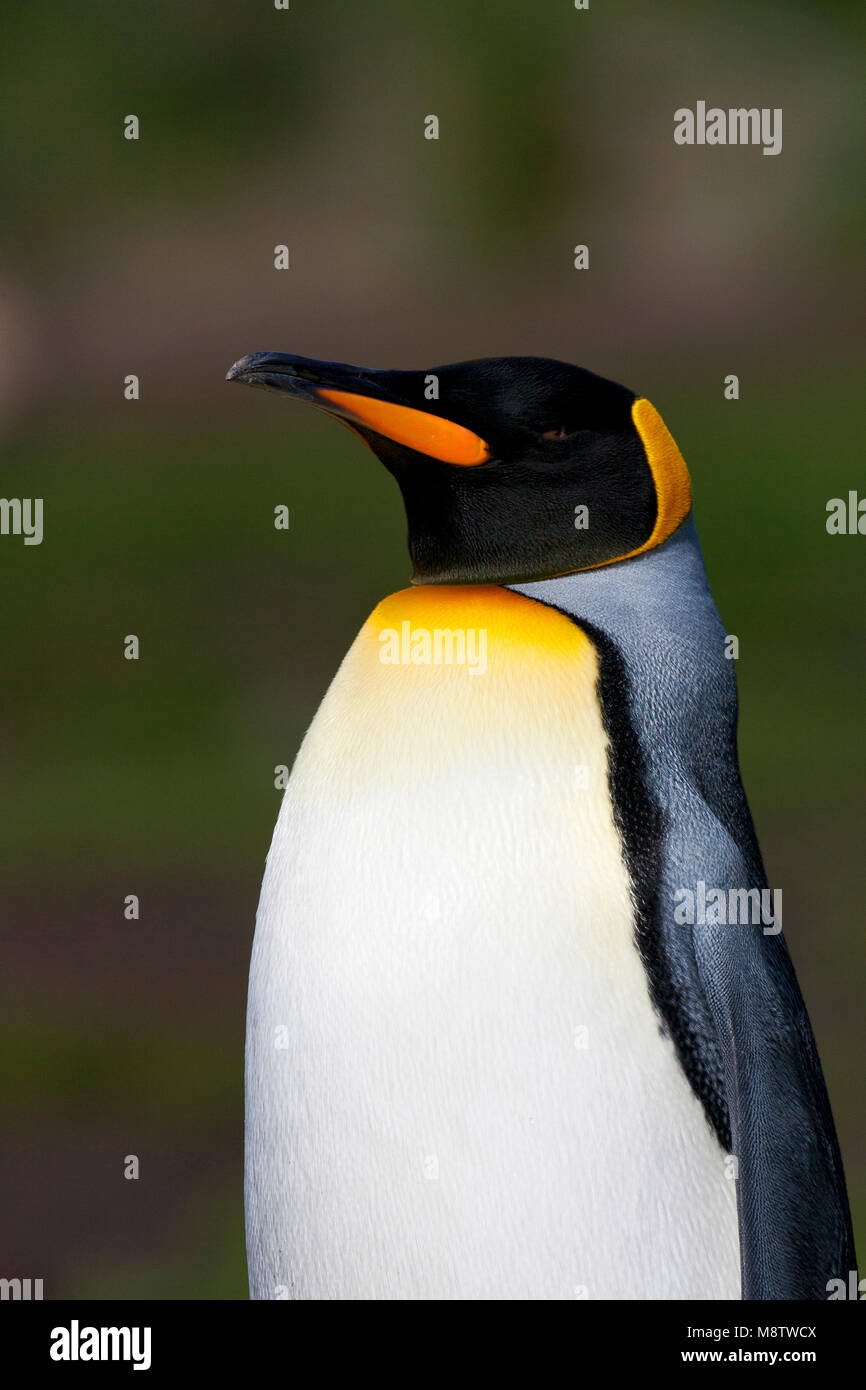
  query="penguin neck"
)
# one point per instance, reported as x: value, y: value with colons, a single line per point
x: 660, y: 583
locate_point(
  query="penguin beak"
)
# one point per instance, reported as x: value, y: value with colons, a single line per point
x: 361, y: 400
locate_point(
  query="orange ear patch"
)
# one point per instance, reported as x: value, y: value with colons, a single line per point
x: 668, y: 467
x: 429, y: 434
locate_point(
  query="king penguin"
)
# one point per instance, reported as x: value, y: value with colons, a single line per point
x: 488, y: 1056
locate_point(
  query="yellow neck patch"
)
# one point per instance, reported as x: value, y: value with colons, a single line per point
x: 516, y: 626
x: 466, y: 676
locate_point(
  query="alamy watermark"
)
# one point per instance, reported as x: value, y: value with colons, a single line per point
x: 846, y: 518
x: 77, y: 1343
x: 731, y: 907
x: 439, y: 646
x: 738, y: 125
x: 22, y: 516
x: 21, y: 1290
x: 852, y: 1288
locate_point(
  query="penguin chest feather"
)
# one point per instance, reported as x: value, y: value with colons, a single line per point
x: 457, y: 1085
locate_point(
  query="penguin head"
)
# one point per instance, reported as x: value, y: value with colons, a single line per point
x: 512, y: 469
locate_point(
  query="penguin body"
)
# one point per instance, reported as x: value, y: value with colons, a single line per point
x: 446, y: 929
x: 483, y: 1060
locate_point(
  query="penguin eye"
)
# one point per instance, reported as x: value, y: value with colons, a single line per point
x: 560, y: 433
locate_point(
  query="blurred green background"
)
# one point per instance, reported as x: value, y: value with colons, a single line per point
x: 155, y: 257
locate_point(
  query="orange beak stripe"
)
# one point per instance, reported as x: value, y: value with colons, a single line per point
x: 429, y: 434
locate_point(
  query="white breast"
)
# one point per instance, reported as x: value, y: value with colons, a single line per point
x: 456, y: 1083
